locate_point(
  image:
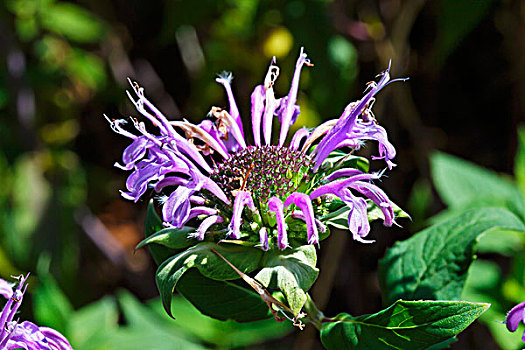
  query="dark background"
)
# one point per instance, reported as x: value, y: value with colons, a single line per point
x: 64, y: 64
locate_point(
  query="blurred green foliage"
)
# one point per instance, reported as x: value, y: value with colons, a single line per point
x: 64, y: 63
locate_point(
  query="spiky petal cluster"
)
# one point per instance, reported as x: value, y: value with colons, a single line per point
x: 24, y: 335
x: 263, y: 192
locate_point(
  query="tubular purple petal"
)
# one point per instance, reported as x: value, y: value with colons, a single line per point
x: 298, y: 137
x: 225, y: 79
x: 357, y: 219
x: 176, y: 209
x: 290, y: 109
x: 257, y: 99
x: 379, y: 197
x: 170, y: 181
x: 55, y: 339
x: 5, y: 289
x: 342, y: 173
x: 276, y: 205
x: 270, y: 104
x: 242, y: 199
x: 198, y: 211
x: 347, y: 121
x: 263, y: 238
x: 211, y: 128
x: 303, y: 202
x: 335, y: 187
x: 515, y: 316
x: 206, y: 224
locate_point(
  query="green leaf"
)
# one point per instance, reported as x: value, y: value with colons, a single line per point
x: 461, y: 184
x: 91, y: 322
x: 433, y: 263
x: 172, y: 238
x: 455, y: 20
x: 152, y: 225
x: 223, y: 334
x: 519, y: 161
x: 404, y: 325
x: 209, y: 264
x: 73, y: 22
x: 222, y: 300
x: 51, y: 306
x: 292, y: 271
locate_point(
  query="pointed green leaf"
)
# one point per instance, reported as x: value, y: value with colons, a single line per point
x: 152, y: 225
x: 404, y: 325
x: 172, y: 238
x: 433, y: 264
x: 222, y: 300
x: 292, y: 271
x: 208, y: 263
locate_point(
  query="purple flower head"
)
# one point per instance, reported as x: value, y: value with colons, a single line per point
x: 515, y: 316
x: 276, y: 193
x: 25, y: 335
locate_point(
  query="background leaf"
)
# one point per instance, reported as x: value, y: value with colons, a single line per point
x: 462, y: 184
x: 433, y: 263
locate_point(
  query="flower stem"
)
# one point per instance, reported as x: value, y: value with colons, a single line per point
x: 314, y: 315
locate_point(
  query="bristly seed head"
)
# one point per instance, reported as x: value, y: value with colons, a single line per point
x: 265, y: 171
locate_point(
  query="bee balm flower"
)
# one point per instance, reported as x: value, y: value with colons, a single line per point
x: 25, y: 335
x: 266, y: 193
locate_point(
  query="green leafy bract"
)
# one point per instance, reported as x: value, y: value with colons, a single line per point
x: 172, y: 238
x: 404, y: 325
x: 433, y: 264
x: 222, y: 300
x: 292, y: 271
x: 208, y: 263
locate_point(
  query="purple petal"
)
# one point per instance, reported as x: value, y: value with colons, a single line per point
x: 347, y: 121
x: 206, y: 224
x: 276, y: 205
x: 357, y: 219
x: 176, y: 209
x: 136, y: 150
x: 242, y: 199
x: 335, y: 187
x: 5, y: 289
x: 379, y: 197
x: 298, y: 137
x: 290, y: 109
x: 304, y: 203
x: 271, y: 103
x: 225, y: 80
x: 347, y: 172
x: 257, y: 98
x: 263, y: 237
x: 198, y: 211
x: 55, y: 339
x: 170, y: 181
x: 211, y: 129
x: 515, y: 316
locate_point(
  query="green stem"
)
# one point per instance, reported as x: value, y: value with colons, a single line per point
x: 315, y: 316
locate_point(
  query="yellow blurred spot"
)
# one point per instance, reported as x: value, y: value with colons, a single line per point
x: 279, y: 43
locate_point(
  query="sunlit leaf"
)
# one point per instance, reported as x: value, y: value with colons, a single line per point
x: 403, y: 325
